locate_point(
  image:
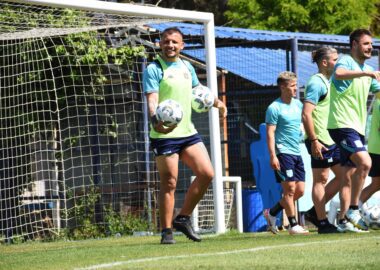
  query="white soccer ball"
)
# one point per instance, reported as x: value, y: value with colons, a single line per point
x: 203, y: 99
x: 170, y: 112
x: 371, y: 217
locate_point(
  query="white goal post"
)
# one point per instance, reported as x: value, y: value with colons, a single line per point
x: 93, y: 157
x: 233, y: 209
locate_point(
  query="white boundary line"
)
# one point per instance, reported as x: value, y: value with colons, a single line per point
x: 113, y: 264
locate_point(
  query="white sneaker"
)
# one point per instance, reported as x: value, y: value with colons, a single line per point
x: 271, y: 220
x: 349, y: 227
x: 356, y: 219
x: 298, y: 230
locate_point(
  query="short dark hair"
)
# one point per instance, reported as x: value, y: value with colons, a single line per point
x: 357, y: 34
x: 285, y: 77
x: 322, y: 53
x: 171, y: 30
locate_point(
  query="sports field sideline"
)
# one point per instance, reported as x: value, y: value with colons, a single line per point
x: 228, y: 251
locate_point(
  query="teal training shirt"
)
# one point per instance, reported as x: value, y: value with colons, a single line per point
x: 348, y: 106
x: 318, y: 93
x: 176, y: 83
x: 287, y: 119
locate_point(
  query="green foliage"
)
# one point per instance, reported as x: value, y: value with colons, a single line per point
x: 67, y: 67
x: 316, y: 16
x: 118, y: 223
x: 83, y: 212
x: 40, y: 17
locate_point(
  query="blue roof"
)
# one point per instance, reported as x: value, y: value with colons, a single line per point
x: 259, y: 65
x: 254, y: 35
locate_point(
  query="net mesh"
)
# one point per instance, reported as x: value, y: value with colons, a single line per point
x: 75, y: 150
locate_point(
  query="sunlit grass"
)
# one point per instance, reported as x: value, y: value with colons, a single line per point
x: 228, y: 251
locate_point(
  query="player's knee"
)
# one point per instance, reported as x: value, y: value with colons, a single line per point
x: 210, y: 174
x: 171, y: 184
x: 206, y: 175
x: 365, y: 166
x: 299, y: 193
x: 320, y: 181
x: 290, y: 192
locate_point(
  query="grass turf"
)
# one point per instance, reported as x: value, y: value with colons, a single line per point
x: 228, y: 251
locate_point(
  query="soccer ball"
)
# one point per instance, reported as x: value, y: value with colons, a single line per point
x: 170, y: 112
x: 203, y: 99
x: 371, y: 217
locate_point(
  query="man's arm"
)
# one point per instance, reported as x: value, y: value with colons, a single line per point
x: 308, y: 123
x: 274, y: 163
x: 345, y: 74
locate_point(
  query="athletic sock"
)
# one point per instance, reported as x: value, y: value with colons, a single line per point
x: 292, y: 221
x: 275, y: 209
x: 183, y: 217
x: 323, y: 222
x: 312, y: 210
x: 342, y: 221
x: 354, y: 207
x: 166, y: 230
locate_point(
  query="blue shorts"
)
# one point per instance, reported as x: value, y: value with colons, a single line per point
x: 375, y: 169
x: 174, y: 145
x: 292, y: 168
x: 349, y: 142
x: 331, y: 157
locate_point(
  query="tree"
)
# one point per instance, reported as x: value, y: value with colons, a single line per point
x: 375, y: 25
x: 316, y: 16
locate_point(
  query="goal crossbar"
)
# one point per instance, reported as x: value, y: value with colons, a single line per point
x: 130, y: 9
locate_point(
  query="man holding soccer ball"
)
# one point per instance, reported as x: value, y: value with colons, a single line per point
x: 170, y: 77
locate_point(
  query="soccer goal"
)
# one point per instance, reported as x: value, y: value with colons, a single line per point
x: 203, y: 218
x: 74, y: 133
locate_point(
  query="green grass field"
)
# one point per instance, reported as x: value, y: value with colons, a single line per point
x: 227, y: 251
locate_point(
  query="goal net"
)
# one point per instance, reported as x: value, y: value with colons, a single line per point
x: 75, y: 154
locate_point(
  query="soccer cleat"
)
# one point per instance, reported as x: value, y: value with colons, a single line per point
x: 298, y: 230
x: 271, y: 220
x: 349, y: 227
x: 327, y: 228
x: 356, y: 219
x: 167, y: 237
x: 311, y: 216
x: 183, y: 224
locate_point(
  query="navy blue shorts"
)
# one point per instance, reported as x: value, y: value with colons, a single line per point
x: 173, y: 145
x: 331, y: 157
x: 375, y: 169
x: 292, y: 168
x: 349, y: 142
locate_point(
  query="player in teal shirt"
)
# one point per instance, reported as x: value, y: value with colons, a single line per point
x: 173, y: 78
x: 324, y: 152
x: 287, y: 119
x: 351, y: 83
x: 283, y: 120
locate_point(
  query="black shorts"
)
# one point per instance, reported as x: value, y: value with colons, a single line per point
x: 170, y: 146
x: 375, y: 169
x: 349, y: 141
x: 292, y: 168
x: 331, y: 157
